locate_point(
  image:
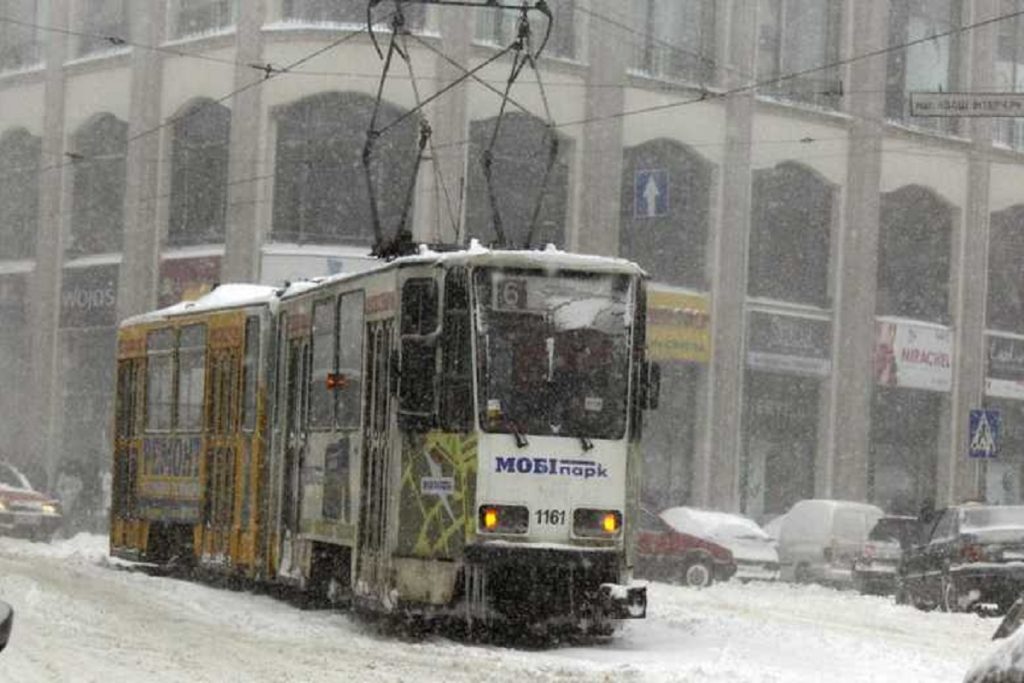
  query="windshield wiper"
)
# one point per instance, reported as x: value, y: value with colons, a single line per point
x: 521, y: 441
x: 588, y: 445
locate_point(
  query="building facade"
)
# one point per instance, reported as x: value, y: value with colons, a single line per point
x: 837, y: 283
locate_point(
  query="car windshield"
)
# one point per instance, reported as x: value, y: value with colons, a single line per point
x: 995, y: 516
x: 553, y: 352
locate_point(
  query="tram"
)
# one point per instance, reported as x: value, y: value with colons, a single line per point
x: 449, y: 434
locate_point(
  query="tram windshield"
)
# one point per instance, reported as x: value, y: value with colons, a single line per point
x: 553, y: 352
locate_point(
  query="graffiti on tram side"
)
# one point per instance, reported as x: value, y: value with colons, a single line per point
x: 170, y: 468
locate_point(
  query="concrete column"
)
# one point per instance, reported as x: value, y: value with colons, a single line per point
x: 854, y: 327
x: 44, y: 296
x: 137, y: 284
x: 242, y: 235
x: 600, y: 177
x: 719, y: 453
x: 957, y: 478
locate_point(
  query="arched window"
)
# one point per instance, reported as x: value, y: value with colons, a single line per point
x: 520, y: 158
x: 97, y: 212
x: 199, y: 174
x: 320, y: 192
x: 1005, y: 310
x: 667, y: 235
x: 19, y: 194
x: 913, y: 255
x: 791, y: 221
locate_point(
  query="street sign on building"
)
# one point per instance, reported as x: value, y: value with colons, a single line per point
x: 984, y: 434
x: 987, y: 104
x: 650, y: 193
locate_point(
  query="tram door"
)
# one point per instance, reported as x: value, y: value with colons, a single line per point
x: 221, y: 453
x: 295, y: 435
x: 372, y: 557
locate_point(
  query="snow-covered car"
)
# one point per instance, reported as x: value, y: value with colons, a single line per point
x: 876, y: 569
x: 23, y: 510
x: 1004, y: 663
x: 6, y: 622
x: 819, y: 539
x: 696, y: 547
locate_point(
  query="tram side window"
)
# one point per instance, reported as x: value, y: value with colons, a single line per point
x: 419, y: 337
x: 350, y: 359
x: 127, y: 405
x: 160, y: 381
x: 456, y: 373
x: 324, y: 363
x: 191, y: 377
x: 249, y: 372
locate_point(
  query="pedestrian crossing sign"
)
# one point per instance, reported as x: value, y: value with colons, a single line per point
x: 984, y: 434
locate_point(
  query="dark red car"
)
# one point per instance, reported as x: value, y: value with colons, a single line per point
x: 23, y: 510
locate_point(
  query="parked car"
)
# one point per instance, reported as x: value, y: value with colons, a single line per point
x: 1005, y: 662
x: 696, y: 547
x: 819, y: 539
x: 876, y: 569
x: 23, y: 510
x: 970, y: 555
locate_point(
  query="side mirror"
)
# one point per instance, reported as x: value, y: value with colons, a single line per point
x: 650, y: 385
x: 6, y: 621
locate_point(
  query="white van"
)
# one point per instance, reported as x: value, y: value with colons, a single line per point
x: 819, y: 540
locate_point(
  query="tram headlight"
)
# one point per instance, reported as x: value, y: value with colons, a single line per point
x: 503, y: 519
x: 592, y: 523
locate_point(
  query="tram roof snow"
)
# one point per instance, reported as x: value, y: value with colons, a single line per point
x: 222, y: 297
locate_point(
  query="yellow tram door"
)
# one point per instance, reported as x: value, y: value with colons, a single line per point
x: 222, y: 443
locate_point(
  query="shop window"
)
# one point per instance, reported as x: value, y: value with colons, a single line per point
x: 456, y: 370
x: 520, y: 156
x: 160, y: 381
x: 250, y: 373
x: 20, y: 46
x: 19, y: 194
x: 193, y: 17
x: 103, y: 25
x: 88, y: 372
x: 324, y: 363
x: 1005, y: 309
x: 914, y: 255
x: 320, y: 143
x: 790, y: 235
x: 335, y: 12
x: 499, y: 26
x: 931, y: 65
x: 903, y: 449
x: 1009, y: 70
x: 199, y: 174
x: 666, y: 235
x: 674, y: 39
x: 98, y: 171
x: 781, y: 437
x: 350, y: 359
x: 191, y: 377
x: 794, y: 36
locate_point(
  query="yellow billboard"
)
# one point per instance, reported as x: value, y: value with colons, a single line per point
x: 678, y: 327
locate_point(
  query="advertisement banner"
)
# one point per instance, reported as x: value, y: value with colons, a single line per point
x: 913, y: 356
x: 678, y: 327
x: 1004, y: 375
x: 88, y: 297
x: 187, y: 279
x: 791, y: 344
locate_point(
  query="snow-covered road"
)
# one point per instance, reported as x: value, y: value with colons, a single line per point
x: 78, y: 620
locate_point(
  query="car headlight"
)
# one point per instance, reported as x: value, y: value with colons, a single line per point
x: 3, y: 506
x: 49, y: 509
